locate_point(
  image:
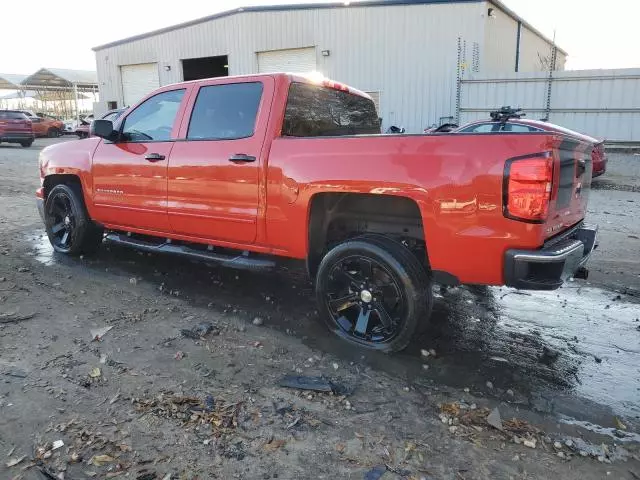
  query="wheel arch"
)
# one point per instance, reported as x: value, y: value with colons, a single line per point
x: 336, y: 216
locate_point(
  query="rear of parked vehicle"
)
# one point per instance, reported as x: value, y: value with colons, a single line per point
x: 15, y: 127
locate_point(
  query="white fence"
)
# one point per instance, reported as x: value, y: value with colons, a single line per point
x: 602, y: 103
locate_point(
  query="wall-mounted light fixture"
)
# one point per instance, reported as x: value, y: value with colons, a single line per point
x: 326, y: 53
x: 167, y: 68
x: 491, y: 13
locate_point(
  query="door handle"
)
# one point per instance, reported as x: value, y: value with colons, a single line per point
x: 154, y: 157
x: 582, y: 167
x: 242, y: 158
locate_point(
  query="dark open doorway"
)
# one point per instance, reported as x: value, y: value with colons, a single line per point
x: 205, y: 67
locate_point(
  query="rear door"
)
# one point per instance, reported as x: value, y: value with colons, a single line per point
x: 215, y: 170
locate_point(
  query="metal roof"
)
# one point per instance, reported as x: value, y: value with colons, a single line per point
x: 11, y: 81
x: 279, y: 8
x: 57, y: 78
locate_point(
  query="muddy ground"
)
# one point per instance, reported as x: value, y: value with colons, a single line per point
x: 147, y: 402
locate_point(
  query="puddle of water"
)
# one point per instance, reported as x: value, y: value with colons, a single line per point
x: 572, y: 352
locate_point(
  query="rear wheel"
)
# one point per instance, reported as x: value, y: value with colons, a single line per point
x: 53, y: 132
x: 373, y: 292
x: 27, y: 143
x: 69, y: 228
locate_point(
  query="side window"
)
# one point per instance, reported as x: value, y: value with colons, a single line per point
x: 153, y: 120
x: 482, y: 128
x: 517, y: 128
x: 225, y: 112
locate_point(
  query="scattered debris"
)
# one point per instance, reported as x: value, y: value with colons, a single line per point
x: 192, y: 410
x: 100, y: 460
x: 95, y: 372
x: 273, y: 445
x: 200, y: 331
x: 375, y: 473
x: 145, y: 474
x: 530, y: 442
x: 15, y: 461
x: 316, y: 384
x: 335, y: 366
x: 57, y: 444
x: 23, y: 269
x: 114, y: 399
x: 489, y: 385
x: 179, y: 355
x: 98, y: 333
x: 14, y: 317
x: 495, y: 420
x: 258, y: 321
x: 619, y: 424
x: 133, y: 281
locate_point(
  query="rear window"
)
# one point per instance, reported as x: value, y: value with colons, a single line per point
x: 225, y: 112
x: 315, y: 111
x: 13, y: 115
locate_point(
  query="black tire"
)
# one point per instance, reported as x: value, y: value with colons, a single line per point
x: 398, y: 290
x: 53, y: 132
x: 27, y: 144
x: 67, y: 222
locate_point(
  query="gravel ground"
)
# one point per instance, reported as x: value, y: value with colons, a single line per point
x: 149, y: 402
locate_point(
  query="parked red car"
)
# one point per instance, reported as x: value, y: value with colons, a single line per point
x: 509, y: 120
x: 244, y: 170
x: 44, y: 125
x: 15, y: 127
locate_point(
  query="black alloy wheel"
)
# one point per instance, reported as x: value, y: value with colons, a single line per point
x: 69, y: 228
x: 373, y: 292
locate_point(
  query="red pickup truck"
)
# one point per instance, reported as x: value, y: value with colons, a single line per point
x: 243, y: 170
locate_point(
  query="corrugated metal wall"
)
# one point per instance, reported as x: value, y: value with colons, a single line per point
x: 406, y: 52
x: 601, y: 103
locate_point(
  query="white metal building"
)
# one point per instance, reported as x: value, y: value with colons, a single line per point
x: 408, y: 54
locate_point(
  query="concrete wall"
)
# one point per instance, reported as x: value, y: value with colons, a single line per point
x: 406, y: 52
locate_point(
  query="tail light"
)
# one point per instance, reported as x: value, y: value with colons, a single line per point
x: 527, y: 188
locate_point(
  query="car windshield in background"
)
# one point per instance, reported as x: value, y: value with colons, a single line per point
x: 315, y: 111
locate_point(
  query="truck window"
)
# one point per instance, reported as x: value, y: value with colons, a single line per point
x: 225, y: 112
x: 315, y: 111
x: 153, y: 119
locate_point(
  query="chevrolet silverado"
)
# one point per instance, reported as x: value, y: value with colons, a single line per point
x: 243, y: 170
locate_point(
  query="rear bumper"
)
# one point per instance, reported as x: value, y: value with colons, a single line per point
x: 16, y: 137
x: 549, y: 267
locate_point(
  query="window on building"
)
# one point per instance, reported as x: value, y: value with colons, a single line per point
x: 153, y: 120
x: 112, y: 105
x: 225, y: 112
x: 314, y: 111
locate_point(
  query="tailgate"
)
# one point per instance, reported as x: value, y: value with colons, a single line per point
x: 571, y: 184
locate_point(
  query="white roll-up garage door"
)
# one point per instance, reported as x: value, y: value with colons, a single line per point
x: 295, y: 60
x: 138, y: 80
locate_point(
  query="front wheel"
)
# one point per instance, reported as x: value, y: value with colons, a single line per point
x: 69, y: 228
x: 373, y: 292
x: 27, y: 143
x: 53, y: 133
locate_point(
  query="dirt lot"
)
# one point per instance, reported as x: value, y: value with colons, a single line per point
x: 149, y: 402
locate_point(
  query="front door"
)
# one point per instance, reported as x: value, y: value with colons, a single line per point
x: 214, y: 170
x: 130, y: 174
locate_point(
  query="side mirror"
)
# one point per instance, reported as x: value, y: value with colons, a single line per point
x: 102, y: 128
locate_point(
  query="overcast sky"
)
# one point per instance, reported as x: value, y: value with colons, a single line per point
x: 44, y: 33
